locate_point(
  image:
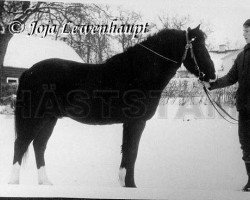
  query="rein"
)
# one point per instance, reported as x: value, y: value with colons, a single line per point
x: 200, y: 76
x: 215, y: 103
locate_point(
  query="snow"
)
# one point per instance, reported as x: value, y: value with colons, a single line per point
x: 2, y: 108
x: 199, y: 158
x: 121, y: 193
x: 36, y: 49
x: 6, y: 110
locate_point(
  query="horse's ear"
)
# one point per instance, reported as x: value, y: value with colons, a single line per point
x: 198, y: 27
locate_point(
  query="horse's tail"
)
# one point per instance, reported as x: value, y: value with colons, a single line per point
x: 19, y: 120
x: 15, y: 123
x: 17, y: 133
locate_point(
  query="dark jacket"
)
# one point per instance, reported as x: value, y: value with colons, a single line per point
x: 240, y: 72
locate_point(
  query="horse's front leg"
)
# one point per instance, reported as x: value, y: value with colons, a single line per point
x: 131, y: 137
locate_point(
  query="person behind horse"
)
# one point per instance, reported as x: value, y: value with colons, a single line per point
x: 240, y: 72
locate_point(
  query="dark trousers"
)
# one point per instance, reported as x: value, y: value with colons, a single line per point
x: 244, y: 134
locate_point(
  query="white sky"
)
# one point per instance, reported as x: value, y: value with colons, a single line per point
x: 225, y: 18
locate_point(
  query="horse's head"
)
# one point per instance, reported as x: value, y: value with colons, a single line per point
x: 197, y: 59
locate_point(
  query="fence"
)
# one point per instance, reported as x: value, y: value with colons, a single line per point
x: 189, y: 89
x: 186, y: 89
x: 8, y: 93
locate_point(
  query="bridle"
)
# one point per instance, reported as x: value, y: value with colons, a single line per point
x: 189, y: 46
x: 201, y: 75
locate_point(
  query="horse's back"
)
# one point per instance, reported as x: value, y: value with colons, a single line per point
x: 64, y: 75
x: 92, y: 94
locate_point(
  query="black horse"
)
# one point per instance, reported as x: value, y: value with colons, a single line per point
x: 125, y: 89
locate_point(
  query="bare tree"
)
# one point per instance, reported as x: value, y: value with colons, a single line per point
x: 101, y: 42
x: 128, y: 18
x: 54, y: 13
x: 9, y: 11
x: 92, y: 48
x: 175, y: 22
x: 20, y: 11
x: 180, y: 23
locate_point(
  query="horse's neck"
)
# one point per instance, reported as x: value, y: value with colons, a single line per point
x: 162, y: 70
x: 171, y: 45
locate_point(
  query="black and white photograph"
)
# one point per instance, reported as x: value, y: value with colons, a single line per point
x: 124, y: 99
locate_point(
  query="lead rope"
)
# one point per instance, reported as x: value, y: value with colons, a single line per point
x: 214, y: 102
x: 158, y: 53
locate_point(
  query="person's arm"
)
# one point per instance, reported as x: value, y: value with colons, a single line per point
x: 229, y: 79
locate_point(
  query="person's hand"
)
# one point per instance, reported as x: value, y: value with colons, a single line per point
x: 206, y: 84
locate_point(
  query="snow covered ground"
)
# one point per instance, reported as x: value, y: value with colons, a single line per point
x: 183, y: 157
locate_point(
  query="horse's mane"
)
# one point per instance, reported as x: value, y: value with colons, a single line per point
x: 152, y: 41
x: 166, y: 35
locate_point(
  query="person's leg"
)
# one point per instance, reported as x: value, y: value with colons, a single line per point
x: 244, y: 137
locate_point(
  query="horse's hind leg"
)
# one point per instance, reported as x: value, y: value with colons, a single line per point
x: 131, y: 137
x: 39, y: 144
x: 23, y: 139
x: 21, y: 146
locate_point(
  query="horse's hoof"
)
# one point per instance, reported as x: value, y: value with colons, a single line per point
x: 131, y: 186
x: 45, y: 182
x: 246, y: 189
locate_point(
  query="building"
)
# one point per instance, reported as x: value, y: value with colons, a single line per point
x: 223, y: 59
x: 228, y: 61
x: 24, y: 51
x: 11, y: 75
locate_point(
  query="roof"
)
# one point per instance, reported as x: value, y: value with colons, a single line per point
x: 232, y: 54
x: 223, y: 52
x: 9, y: 71
x: 218, y: 56
x: 24, y: 51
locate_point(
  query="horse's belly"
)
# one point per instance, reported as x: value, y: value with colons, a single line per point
x: 96, y: 121
x: 101, y: 112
